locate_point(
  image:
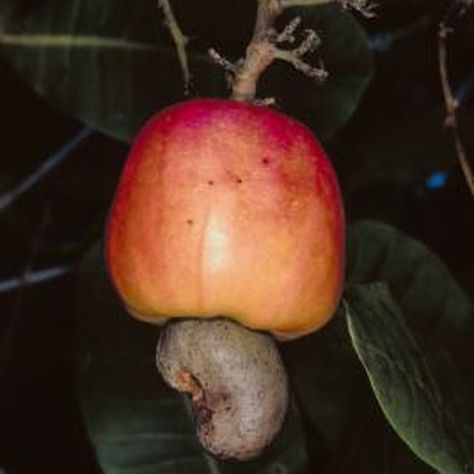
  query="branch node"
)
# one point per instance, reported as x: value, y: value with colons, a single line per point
x: 319, y: 74
x: 287, y: 35
x: 309, y: 44
x: 264, y: 48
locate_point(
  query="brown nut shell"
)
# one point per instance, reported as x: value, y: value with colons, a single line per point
x: 236, y: 380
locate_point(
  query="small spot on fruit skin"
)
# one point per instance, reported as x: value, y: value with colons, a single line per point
x: 210, y: 182
x: 265, y: 161
x: 190, y: 222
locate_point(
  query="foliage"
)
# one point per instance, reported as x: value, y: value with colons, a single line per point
x: 112, y: 64
x: 406, y: 356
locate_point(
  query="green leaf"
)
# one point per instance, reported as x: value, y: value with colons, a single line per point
x: 135, y: 422
x: 112, y: 64
x: 316, y: 365
x: 345, y: 431
x: 404, y: 378
x: 327, y: 379
x: 375, y: 448
x: 421, y: 283
x: 436, y: 308
x: 346, y: 56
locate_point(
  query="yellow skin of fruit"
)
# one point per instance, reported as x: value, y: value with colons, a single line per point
x: 228, y: 209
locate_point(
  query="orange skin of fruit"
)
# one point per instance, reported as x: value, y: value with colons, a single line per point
x: 228, y: 209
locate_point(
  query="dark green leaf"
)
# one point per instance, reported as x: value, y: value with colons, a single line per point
x: 109, y: 63
x: 326, y: 377
x: 433, y: 301
x: 347, y: 58
x: 345, y: 432
x: 112, y: 63
x: 374, y: 448
x: 316, y: 365
x: 324, y: 368
x: 135, y: 422
x: 404, y: 378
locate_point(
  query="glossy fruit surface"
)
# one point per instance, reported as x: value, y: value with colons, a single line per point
x: 228, y: 209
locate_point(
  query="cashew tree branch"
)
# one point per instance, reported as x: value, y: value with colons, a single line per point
x: 264, y: 48
x: 180, y: 40
x: 451, y: 104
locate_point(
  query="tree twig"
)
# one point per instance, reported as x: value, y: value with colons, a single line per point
x: 264, y: 48
x: 451, y: 106
x: 180, y: 41
x: 9, y: 197
x: 260, y: 52
x: 32, y: 277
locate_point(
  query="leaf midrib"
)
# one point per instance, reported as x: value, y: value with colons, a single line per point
x: 41, y: 40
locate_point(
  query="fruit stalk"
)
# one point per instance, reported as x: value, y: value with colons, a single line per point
x: 264, y: 48
x: 258, y: 55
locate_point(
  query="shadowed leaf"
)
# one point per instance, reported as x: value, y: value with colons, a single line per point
x: 406, y: 381
x: 112, y: 63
